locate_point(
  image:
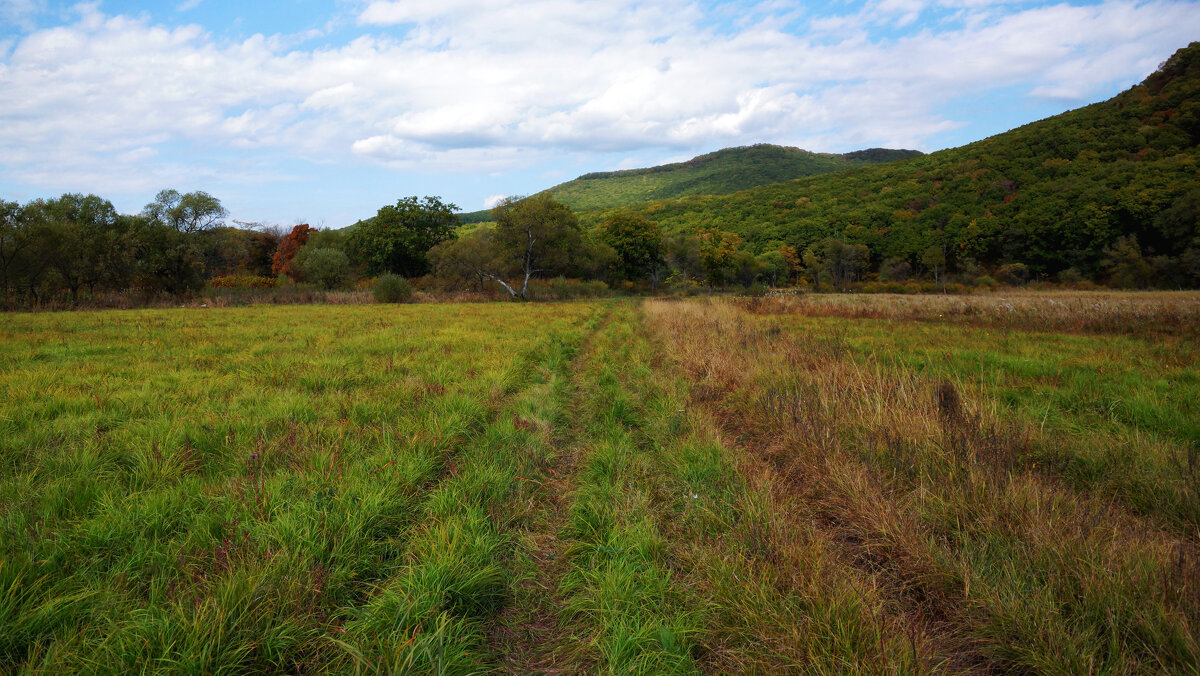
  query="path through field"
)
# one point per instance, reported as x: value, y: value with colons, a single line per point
x: 698, y: 486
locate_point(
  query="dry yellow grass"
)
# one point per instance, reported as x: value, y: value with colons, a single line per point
x: 927, y: 488
x: 1134, y: 312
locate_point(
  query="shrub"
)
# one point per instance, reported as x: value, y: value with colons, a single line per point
x: 391, y: 288
x: 243, y: 282
x: 1070, y: 276
x: 1014, y: 274
x: 596, y: 288
x: 329, y: 268
x: 560, y: 288
x: 894, y: 270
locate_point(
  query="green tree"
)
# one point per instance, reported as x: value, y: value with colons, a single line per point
x: 191, y: 212
x: 1126, y: 266
x: 934, y: 260
x: 399, y: 237
x: 169, y: 260
x: 836, y: 261
x: 718, y: 252
x: 683, y: 255
x: 894, y: 269
x: 773, y: 267
x: 84, y: 240
x: 637, y: 242
x: 592, y: 258
x: 472, y: 259
x: 14, y: 242
x: 746, y: 267
x: 173, y: 251
x: 539, y: 235
x: 795, y: 263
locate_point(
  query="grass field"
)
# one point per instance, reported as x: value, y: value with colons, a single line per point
x: 821, y: 484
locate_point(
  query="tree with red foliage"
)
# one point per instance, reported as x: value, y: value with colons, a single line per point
x: 281, y: 262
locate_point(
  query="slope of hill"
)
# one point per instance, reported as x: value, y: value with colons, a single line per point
x: 1113, y: 181
x: 717, y: 173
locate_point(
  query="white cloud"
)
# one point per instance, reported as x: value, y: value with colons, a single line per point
x: 20, y: 13
x: 491, y: 201
x: 188, y: 4
x: 485, y: 85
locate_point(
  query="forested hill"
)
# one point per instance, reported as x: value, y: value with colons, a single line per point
x: 718, y: 173
x: 1113, y: 184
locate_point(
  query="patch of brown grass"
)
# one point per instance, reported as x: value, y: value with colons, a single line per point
x: 1106, y: 312
x: 923, y: 488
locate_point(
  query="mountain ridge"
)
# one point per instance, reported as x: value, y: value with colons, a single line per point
x: 719, y: 172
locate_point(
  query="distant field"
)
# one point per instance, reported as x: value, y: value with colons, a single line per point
x: 824, y: 484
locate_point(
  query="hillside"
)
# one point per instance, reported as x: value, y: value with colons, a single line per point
x: 718, y: 173
x: 1113, y: 183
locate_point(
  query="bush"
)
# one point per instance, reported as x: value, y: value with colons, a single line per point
x: 678, y: 286
x: 328, y: 268
x: 563, y: 288
x: 1014, y: 274
x: 894, y: 270
x: 560, y: 288
x: 391, y: 288
x: 243, y: 282
x: 1070, y: 276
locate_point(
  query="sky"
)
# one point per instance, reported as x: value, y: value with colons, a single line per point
x: 322, y: 111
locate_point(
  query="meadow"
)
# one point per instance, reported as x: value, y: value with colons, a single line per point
x: 813, y: 484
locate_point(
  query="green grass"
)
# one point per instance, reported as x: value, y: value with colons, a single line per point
x: 239, y: 489
x: 686, y: 487
x: 1113, y: 413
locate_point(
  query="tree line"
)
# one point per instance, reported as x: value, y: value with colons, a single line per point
x: 79, y: 244
x: 78, y: 247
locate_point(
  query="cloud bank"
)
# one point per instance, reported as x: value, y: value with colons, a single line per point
x: 124, y: 103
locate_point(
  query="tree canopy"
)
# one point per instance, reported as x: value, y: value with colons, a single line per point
x: 189, y: 212
x: 399, y: 237
x: 538, y: 234
x: 637, y: 242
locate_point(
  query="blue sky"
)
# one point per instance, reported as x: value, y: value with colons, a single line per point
x: 321, y: 111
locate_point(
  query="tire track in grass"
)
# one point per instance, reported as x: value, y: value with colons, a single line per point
x: 621, y: 605
x: 530, y: 636
x: 763, y: 593
x: 674, y: 564
x: 439, y: 611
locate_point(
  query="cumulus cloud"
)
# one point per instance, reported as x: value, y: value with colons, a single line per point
x: 20, y: 13
x: 486, y: 85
